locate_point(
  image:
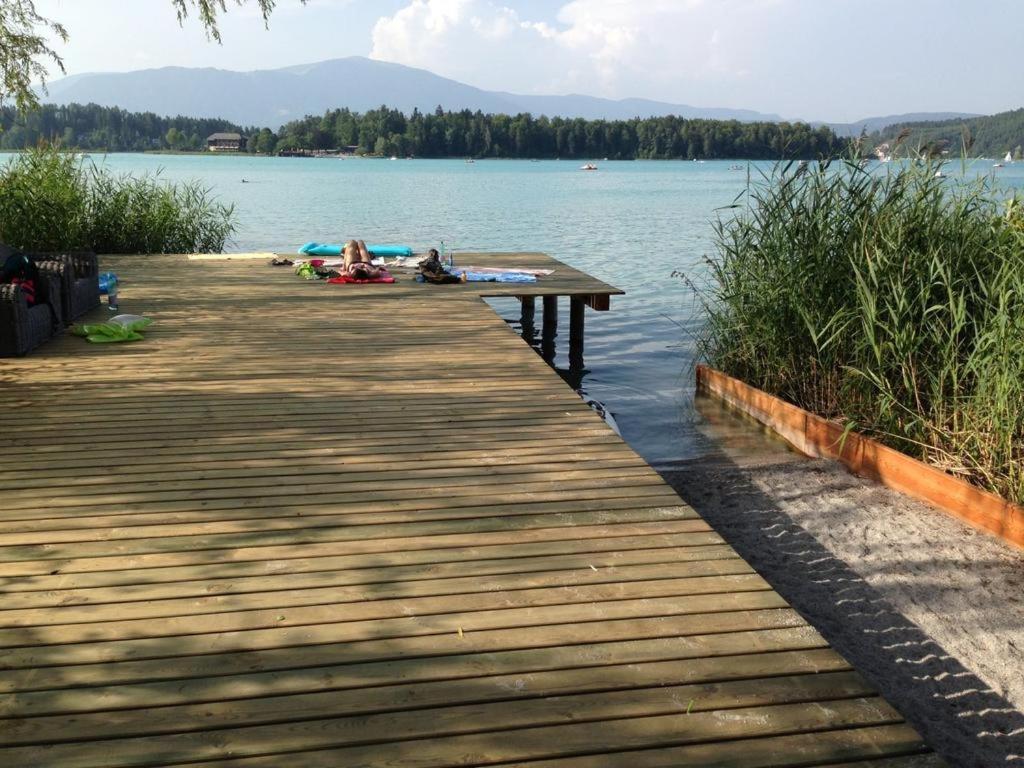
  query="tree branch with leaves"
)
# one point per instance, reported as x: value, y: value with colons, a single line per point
x: 24, y: 48
x: 25, y: 42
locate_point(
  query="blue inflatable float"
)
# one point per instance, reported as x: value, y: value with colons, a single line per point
x: 322, y: 249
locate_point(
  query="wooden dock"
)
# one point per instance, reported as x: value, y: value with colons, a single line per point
x: 331, y: 525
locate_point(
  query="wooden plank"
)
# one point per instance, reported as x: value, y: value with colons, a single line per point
x: 731, y: 575
x: 597, y: 566
x: 219, y: 577
x: 258, y: 550
x: 797, y: 751
x: 393, y: 475
x: 124, y: 660
x: 733, y: 681
x: 335, y: 532
x: 846, y: 695
x: 411, y: 617
x: 338, y: 747
x: 230, y: 676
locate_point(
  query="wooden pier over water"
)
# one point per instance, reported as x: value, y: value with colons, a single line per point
x: 337, y: 525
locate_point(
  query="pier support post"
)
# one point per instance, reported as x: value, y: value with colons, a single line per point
x: 550, y: 328
x: 576, y: 322
x: 528, y: 310
x: 527, y: 328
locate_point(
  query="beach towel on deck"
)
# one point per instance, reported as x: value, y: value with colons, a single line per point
x: 512, y: 270
x: 384, y: 278
x: 498, y: 277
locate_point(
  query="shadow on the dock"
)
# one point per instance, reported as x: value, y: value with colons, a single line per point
x: 957, y: 713
x: 310, y: 620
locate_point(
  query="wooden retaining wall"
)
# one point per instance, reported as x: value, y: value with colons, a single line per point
x: 821, y: 438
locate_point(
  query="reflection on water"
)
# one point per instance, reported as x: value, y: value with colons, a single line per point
x: 631, y: 224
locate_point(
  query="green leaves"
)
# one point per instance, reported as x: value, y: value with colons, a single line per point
x: 207, y: 10
x: 24, y: 51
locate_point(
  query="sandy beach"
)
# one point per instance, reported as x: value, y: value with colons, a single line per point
x: 930, y: 610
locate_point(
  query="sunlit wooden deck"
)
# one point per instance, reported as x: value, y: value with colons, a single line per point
x: 317, y: 525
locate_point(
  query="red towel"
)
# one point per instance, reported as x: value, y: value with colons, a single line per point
x: 384, y: 278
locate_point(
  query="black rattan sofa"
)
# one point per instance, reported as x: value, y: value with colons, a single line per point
x: 23, y: 328
x: 80, y: 288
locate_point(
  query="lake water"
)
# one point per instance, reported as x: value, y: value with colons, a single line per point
x: 632, y: 224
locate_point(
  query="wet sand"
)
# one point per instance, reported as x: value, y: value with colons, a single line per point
x: 930, y: 610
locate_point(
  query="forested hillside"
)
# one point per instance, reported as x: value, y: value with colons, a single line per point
x: 92, y: 127
x: 990, y: 136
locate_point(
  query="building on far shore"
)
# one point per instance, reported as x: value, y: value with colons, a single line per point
x: 225, y: 142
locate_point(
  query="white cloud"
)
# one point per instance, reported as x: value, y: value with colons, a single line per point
x: 604, y: 47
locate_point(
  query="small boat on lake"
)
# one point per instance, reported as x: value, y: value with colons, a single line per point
x: 588, y: 167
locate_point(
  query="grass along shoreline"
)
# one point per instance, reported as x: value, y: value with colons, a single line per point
x: 52, y: 200
x: 893, y: 303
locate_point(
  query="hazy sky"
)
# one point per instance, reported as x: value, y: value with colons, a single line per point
x: 833, y: 60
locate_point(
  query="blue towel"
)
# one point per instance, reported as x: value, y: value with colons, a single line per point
x: 499, y: 277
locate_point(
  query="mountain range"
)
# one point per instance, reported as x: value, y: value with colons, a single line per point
x: 272, y: 97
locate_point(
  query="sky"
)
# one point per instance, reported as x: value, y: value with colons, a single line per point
x: 832, y: 60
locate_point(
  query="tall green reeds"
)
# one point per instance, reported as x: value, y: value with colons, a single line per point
x: 891, y: 300
x: 51, y: 200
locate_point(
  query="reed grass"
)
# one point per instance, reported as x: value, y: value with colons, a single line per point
x: 891, y: 301
x: 52, y: 200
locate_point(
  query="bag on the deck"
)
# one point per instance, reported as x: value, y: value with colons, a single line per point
x: 116, y: 329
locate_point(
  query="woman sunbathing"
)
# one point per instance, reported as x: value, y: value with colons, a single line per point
x: 357, y: 263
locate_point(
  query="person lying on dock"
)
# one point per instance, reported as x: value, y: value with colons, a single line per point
x: 357, y: 262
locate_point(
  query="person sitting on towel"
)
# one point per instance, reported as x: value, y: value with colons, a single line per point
x: 357, y: 262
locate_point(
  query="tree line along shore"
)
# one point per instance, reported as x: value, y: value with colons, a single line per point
x: 441, y: 133
x: 387, y: 132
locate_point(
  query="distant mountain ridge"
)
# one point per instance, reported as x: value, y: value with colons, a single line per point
x: 275, y: 96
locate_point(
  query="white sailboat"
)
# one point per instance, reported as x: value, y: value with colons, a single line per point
x: 1008, y: 158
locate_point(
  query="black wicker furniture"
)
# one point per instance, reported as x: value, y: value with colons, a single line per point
x: 24, y: 327
x: 80, y: 287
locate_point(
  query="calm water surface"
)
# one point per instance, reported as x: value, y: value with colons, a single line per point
x: 632, y: 224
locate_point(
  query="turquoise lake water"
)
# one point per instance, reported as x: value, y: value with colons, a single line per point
x: 632, y: 224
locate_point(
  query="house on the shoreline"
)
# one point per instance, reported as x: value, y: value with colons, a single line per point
x: 225, y: 142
